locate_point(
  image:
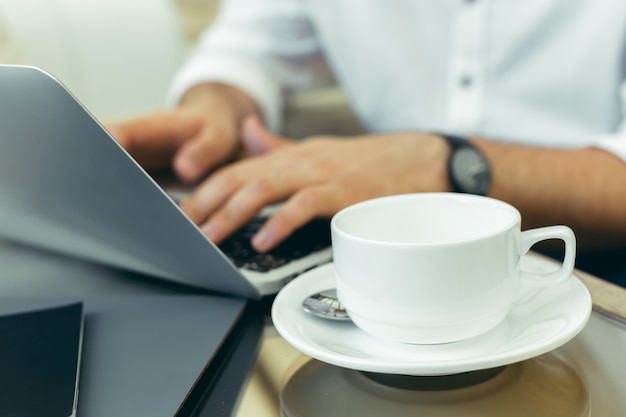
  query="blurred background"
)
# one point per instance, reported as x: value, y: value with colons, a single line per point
x: 118, y: 56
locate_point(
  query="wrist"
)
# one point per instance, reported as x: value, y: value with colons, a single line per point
x: 218, y: 98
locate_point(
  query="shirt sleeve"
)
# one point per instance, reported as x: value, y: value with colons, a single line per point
x: 267, y: 48
x: 615, y: 143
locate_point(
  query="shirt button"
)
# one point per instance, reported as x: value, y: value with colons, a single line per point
x: 466, y: 81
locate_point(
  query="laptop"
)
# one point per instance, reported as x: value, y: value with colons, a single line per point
x: 66, y: 185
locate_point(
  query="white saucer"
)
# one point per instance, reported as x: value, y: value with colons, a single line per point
x: 541, y: 320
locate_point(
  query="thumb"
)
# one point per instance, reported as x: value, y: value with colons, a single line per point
x: 257, y: 139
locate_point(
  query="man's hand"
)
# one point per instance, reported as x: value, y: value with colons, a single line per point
x: 321, y: 175
x: 314, y: 178
x: 201, y: 134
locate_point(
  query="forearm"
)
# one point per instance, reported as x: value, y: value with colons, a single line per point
x: 583, y: 188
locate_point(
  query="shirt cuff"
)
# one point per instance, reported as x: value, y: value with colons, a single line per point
x: 249, y: 78
x: 615, y: 144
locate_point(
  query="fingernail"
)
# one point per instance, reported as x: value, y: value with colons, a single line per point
x: 211, y: 231
x: 186, y: 169
x: 263, y: 240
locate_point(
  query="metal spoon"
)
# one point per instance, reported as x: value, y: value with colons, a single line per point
x: 325, y: 304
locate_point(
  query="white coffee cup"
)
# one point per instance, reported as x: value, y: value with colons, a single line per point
x: 435, y: 267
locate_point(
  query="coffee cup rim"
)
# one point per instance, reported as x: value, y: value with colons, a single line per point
x: 515, y: 220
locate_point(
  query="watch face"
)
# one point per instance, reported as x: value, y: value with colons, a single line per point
x: 470, y: 171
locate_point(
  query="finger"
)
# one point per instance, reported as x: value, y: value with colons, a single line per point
x: 228, y: 220
x: 200, y: 155
x: 152, y: 128
x: 256, y: 180
x: 236, y: 193
x: 307, y: 204
x: 242, y: 205
x: 153, y: 139
x: 211, y: 194
x: 257, y: 139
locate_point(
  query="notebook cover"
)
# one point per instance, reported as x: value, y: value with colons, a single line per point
x: 39, y: 361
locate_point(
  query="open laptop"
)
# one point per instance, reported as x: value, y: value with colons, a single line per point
x: 66, y: 185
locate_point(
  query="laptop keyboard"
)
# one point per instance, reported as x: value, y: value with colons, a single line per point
x: 310, y: 238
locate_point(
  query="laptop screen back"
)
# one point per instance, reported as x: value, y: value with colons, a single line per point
x: 68, y: 186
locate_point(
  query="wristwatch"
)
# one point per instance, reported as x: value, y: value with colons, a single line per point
x: 468, y: 168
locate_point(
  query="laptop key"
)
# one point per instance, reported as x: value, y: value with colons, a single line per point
x: 311, y: 238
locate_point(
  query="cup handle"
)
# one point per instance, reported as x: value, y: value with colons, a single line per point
x: 533, y: 236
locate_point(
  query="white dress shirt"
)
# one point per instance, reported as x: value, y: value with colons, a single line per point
x: 541, y: 72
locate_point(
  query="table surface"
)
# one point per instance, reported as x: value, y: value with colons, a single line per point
x: 596, y: 353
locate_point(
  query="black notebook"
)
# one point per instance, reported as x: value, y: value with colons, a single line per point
x: 40, y: 355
